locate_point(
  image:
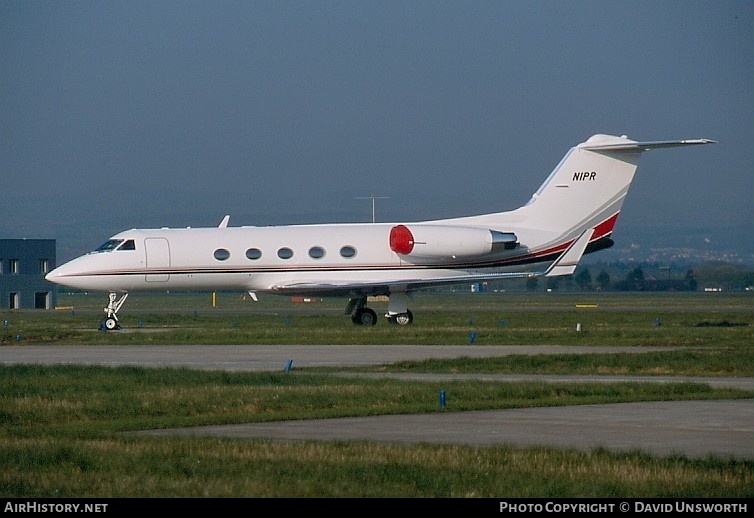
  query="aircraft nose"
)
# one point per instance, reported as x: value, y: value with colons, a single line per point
x: 57, y: 275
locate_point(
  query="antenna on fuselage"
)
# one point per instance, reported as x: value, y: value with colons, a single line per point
x: 372, y: 197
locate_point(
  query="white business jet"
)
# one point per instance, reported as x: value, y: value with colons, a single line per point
x: 572, y: 213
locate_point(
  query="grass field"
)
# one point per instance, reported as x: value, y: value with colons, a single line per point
x: 65, y: 430
x: 701, y: 319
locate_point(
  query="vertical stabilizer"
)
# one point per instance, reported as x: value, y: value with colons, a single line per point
x: 587, y: 189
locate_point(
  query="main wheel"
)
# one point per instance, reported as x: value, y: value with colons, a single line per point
x: 402, y: 319
x: 365, y: 317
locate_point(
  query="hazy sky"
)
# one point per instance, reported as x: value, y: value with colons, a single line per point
x: 120, y: 114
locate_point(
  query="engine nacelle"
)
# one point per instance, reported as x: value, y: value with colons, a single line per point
x: 448, y: 241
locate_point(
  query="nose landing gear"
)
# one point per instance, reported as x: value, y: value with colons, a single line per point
x: 110, y: 322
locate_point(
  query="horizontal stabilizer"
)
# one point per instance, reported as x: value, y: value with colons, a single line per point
x: 632, y: 146
x: 568, y: 261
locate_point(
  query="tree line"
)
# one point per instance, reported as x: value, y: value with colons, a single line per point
x: 650, y: 277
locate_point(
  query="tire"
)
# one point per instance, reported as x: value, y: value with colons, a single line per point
x: 111, y: 324
x: 365, y: 317
x: 402, y: 319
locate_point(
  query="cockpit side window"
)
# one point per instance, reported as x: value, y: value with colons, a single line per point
x: 127, y: 245
x: 109, y: 245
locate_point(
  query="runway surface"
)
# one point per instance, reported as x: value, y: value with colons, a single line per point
x: 691, y: 428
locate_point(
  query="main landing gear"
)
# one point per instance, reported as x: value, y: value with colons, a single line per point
x: 110, y: 322
x: 397, y: 313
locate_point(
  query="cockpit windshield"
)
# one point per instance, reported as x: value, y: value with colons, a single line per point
x: 109, y: 245
x: 116, y: 244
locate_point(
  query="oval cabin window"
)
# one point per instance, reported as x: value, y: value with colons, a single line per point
x: 316, y: 252
x: 348, y: 252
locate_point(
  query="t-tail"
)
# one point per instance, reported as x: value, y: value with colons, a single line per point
x: 586, y: 190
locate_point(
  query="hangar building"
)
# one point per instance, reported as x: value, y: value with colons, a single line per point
x: 23, y: 266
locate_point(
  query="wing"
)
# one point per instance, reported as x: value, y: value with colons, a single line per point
x: 565, y: 264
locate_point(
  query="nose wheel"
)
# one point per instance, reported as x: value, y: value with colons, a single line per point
x: 110, y: 324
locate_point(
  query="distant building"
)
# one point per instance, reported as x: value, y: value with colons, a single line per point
x: 23, y: 266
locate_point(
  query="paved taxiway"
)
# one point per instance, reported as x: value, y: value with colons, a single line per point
x: 692, y: 428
